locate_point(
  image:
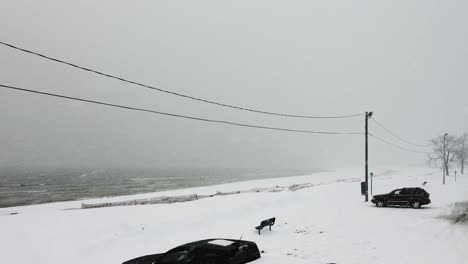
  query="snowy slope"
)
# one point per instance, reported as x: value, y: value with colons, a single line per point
x: 326, y: 223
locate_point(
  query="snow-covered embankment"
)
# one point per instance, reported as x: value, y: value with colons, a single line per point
x: 325, y: 223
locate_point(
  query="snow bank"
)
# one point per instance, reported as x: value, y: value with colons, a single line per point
x: 190, y: 197
x: 156, y: 200
x: 325, y: 222
x: 458, y: 213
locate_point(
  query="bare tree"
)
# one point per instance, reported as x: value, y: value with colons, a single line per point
x: 461, y: 153
x: 443, y: 151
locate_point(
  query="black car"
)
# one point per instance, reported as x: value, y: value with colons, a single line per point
x: 208, y: 251
x: 414, y: 197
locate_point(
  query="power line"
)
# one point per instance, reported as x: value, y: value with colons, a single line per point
x: 171, y: 92
x: 397, y: 146
x: 410, y: 143
x: 176, y: 115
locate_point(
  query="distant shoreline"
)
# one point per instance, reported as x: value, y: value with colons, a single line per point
x: 23, y: 189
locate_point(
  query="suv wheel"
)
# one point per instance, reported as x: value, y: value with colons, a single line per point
x: 380, y: 204
x: 416, y: 205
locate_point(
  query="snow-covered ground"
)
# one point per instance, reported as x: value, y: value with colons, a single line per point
x: 326, y: 223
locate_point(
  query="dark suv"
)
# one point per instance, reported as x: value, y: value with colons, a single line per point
x: 414, y: 197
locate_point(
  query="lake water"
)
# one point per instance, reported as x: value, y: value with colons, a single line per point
x: 26, y: 187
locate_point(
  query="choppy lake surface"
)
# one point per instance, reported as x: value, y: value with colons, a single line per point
x: 26, y: 186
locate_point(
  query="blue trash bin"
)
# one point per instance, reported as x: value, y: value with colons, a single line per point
x: 363, y: 188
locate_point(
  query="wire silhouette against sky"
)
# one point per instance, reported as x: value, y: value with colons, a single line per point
x: 204, y: 101
x: 397, y: 146
x: 202, y: 119
x: 394, y: 135
x: 176, y: 115
x: 171, y: 92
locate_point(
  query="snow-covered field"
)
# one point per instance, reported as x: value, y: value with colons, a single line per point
x: 326, y: 223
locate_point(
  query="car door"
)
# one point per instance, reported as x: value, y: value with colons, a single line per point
x: 394, y: 197
x: 239, y: 257
x: 211, y: 258
x: 405, y: 196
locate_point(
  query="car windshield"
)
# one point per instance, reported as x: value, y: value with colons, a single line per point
x: 176, y: 256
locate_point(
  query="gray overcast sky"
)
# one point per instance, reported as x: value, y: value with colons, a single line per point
x: 405, y: 60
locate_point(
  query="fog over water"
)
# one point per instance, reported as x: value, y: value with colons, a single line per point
x: 39, y: 185
x: 405, y: 60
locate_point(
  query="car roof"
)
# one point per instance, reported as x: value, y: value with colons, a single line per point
x: 216, y: 247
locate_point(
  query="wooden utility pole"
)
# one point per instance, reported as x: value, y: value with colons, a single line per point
x: 368, y: 115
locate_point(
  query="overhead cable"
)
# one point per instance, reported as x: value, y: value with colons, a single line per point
x: 393, y: 134
x: 176, y: 115
x: 397, y: 146
x: 172, y: 92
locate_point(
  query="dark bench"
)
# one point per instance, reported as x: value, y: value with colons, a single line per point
x: 264, y: 223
